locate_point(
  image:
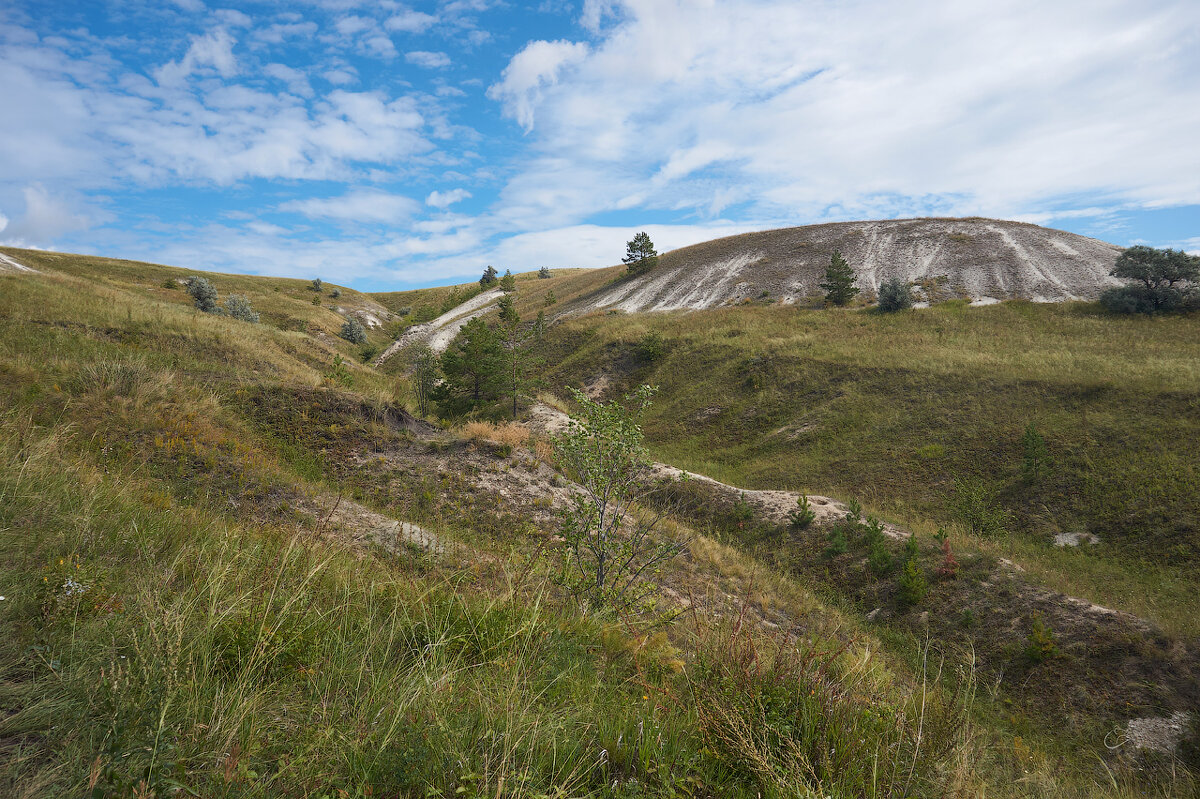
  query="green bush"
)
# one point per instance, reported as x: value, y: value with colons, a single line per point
x: 338, y: 374
x: 895, y: 295
x: 975, y: 505
x: 315, y: 285
x: 913, y: 585
x: 803, y: 515
x: 838, y: 545
x: 1164, y: 281
x: 238, y: 307
x: 354, y: 332
x: 204, y: 294
x: 1035, y: 459
x: 335, y: 293
x: 1040, y: 646
x: 651, y: 347
x: 368, y: 353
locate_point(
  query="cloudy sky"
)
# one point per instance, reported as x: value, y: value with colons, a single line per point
x: 383, y: 144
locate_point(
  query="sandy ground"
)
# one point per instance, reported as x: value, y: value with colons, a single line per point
x: 9, y: 265
x: 441, y: 331
x: 983, y: 260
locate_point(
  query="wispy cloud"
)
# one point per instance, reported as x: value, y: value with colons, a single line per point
x: 427, y: 60
x: 358, y: 206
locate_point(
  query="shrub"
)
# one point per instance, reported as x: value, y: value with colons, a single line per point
x: 338, y: 374
x: 838, y: 545
x: 549, y: 299
x: 1164, y: 281
x: 949, y: 565
x: 975, y: 505
x: 170, y: 283
x: 651, y: 347
x: 1036, y: 456
x: 405, y: 311
x: 508, y: 282
x: 1040, y: 646
x: 368, y: 353
x: 315, y: 285
x: 913, y: 585
x: 544, y: 273
x: 335, y: 293
x: 354, y: 332
x: 803, y: 515
x: 239, y: 307
x: 611, y: 557
x: 895, y: 295
x: 204, y: 294
x: 316, y: 300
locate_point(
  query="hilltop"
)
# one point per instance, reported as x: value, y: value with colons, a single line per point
x: 979, y: 259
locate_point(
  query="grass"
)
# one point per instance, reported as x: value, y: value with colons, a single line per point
x: 892, y: 409
x: 177, y: 624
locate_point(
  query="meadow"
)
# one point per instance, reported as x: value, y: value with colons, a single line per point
x: 181, y: 622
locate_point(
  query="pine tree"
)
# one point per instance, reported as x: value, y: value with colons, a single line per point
x: 508, y: 282
x: 839, y: 281
x: 544, y: 273
x: 640, y: 256
x: 489, y: 276
x: 473, y: 366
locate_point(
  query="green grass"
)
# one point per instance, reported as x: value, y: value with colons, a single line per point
x: 175, y: 626
x: 892, y: 409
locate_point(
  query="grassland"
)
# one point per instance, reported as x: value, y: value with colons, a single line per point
x: 899, y: 410
x: 180, y: 624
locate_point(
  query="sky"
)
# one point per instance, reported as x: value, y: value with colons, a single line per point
x: 388, y: 145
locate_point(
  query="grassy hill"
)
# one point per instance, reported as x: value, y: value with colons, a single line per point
x: 206, y: 591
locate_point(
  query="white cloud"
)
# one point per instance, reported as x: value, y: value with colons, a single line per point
x: 819, y: 110
x: 531, y: 71
x: 357, y: 206
x: 296, y: 80
x: 427, y: 60
x: 45, y: 218
x: 409, y: 21
x: 444, y: 199
x: 213, y: 49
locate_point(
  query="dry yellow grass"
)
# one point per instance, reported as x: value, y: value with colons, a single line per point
x: 509, y: 434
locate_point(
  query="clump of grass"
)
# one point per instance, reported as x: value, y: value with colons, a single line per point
x: 509, y: 434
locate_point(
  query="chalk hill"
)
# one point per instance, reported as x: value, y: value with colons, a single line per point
x: 982, y: 259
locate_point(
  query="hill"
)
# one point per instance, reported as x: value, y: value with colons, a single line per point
x: 979, y: 259
x: 235, y: 563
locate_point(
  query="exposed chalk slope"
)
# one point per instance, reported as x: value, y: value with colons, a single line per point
x: 984, y: 259
x: 439, y: 332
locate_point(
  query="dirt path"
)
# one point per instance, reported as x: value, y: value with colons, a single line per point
x: 772, y: 506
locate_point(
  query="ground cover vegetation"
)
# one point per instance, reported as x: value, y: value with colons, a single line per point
x: 193, y: 611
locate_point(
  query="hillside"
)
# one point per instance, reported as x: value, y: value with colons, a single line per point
x: 981, y: 259
x: 236, y: 563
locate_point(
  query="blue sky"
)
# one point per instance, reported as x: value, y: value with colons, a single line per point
x: 388, y: 145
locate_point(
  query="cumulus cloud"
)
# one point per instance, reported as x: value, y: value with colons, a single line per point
x: 427, y: 60
x: 530, y: 72
x: 444, y: 199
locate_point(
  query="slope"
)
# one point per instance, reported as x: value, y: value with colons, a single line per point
x: 981, y: 259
